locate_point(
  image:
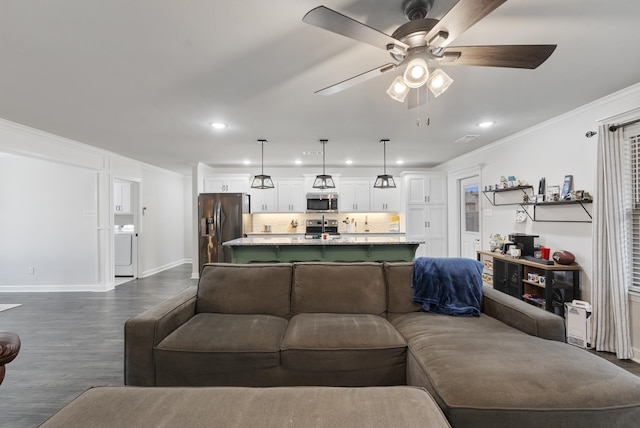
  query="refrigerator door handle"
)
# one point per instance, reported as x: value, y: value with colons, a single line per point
x: 217, y: 222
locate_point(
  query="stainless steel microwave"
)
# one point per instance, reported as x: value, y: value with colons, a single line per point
x: 322, y: 202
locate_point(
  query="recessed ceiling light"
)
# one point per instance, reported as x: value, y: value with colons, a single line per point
x: 297, y: 162
x: 218, y: 125
x: 246, y: 162
x: 399, y: 162
x: 348, y: 161
x: 486, y: 124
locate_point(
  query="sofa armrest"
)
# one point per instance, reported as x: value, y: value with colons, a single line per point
x: 143, y: 332
x: 521, y: 315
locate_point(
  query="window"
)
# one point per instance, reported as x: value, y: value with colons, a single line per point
x: 634, y: 175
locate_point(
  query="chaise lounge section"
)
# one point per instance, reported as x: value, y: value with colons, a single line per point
x: 355, y: 324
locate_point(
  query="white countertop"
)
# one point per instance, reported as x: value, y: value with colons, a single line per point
x: 301, y: 240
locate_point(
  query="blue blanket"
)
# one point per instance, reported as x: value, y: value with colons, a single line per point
x: 450, y: 286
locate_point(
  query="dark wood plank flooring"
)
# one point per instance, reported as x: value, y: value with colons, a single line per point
x: 73, y: 341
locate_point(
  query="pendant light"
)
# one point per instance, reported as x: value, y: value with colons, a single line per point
x: 385, y: 181
x: 262, y: 181
x: 323, y: 181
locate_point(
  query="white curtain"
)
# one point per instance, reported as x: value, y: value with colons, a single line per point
x: 611, y: 249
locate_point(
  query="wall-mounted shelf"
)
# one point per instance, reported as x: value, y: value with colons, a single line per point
x: 528, y: 191
x: 524, y: 189
x: 580, y: 203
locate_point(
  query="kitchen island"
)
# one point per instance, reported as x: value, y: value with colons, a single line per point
x: 336, y: 249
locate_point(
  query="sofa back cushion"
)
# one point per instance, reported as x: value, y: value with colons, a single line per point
x: 245, y: 289
x: 399, y: 287
x: 350, y: 288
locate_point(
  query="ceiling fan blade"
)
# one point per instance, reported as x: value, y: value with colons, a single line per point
x: 417, y: 97
x: 461, y: 17
x: 345, y: 84
x: 511, y: 56
x: 330, y: 20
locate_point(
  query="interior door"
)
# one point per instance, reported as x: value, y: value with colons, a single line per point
x: 469, y: 216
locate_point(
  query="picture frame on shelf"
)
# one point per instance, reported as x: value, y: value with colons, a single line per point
x: 553, y: 193
x: 567, y: 186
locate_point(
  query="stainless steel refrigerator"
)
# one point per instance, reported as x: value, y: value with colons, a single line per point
x: 223, y: 217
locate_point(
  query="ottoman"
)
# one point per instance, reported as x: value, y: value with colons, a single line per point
x: 393, y: 406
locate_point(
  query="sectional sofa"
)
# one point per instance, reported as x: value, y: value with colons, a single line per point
x: 356, y: 325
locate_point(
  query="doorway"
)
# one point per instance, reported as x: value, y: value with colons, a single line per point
x: 126, y: 230
x: 469, y: 192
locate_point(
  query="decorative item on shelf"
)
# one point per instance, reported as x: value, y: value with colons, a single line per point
x: 323, y: 181
x: 262, y: 181
x: 384, y: 181
x: 586, y: 196
x: 542, y: 187
x: 521, y: 182
x: 567, y: 186
x: 503, y: 183
x: 511, y: 181
x: 542, y: 280
x: 496, y: 242
x: 553, y: 193
x: 563, y: 257
x: 526, y: 199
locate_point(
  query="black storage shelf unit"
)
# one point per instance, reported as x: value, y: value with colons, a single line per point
x: 492, y: 199
x: 510, y: 276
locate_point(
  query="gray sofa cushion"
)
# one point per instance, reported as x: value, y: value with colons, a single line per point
x: 399, y: 287
x: 210, y: 346
x: 245, y: 289
x: 342, y: 342
x: 484, y: 373
x: 311, y: 407
x: 350, y: 288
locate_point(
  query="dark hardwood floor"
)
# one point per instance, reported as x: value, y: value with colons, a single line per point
x: 73, y: 341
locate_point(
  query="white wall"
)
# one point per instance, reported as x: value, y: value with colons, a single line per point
x: 45, y: 206
x: 551, y: 149
x: 63, y: 189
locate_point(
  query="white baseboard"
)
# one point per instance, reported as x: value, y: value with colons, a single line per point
x: 57, y: 288
x: 159, y: 269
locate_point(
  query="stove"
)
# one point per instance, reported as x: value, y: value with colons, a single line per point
x: 314, y: 227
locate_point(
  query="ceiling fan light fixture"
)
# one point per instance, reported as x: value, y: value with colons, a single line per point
x: 384, y: 181
x: 416, y: 74
x: 398, y: 89
x: 323, y: 181
x: 439, y: 82
x: 262, y: 181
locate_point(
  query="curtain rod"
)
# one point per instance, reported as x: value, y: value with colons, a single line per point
x: 613, y: 128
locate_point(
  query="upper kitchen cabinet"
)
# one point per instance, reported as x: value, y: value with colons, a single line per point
x: 264, y: 200
x: 354, y: 195
x: 227, y: 184
x: 122, y: 197
x: 291, y: 196
x: 386, y: 199
x: 426, y: 188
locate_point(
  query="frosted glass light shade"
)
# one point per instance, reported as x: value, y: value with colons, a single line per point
x: 416, y: 73
x: 439, y: 82
x: 398, y: 89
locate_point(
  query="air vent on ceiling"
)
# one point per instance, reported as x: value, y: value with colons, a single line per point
x: 466, y: 139
x: 312, y: 153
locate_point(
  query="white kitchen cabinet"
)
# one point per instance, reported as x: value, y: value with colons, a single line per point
x: 264, y: 200
x: 291, y: 196
x: 428, y: 223
x: 354, y: 195
x: 122, y: 197
x: 386, y: 199
x: 426, y: 188
x: 227, y: 184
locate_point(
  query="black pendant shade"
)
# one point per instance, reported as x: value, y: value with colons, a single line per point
x: 385, y: 181
x: 262, y: 181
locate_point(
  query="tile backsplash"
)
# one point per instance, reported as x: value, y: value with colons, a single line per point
x: 281, y: 223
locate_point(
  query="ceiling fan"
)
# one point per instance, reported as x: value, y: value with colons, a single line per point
x: 423, y: 43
